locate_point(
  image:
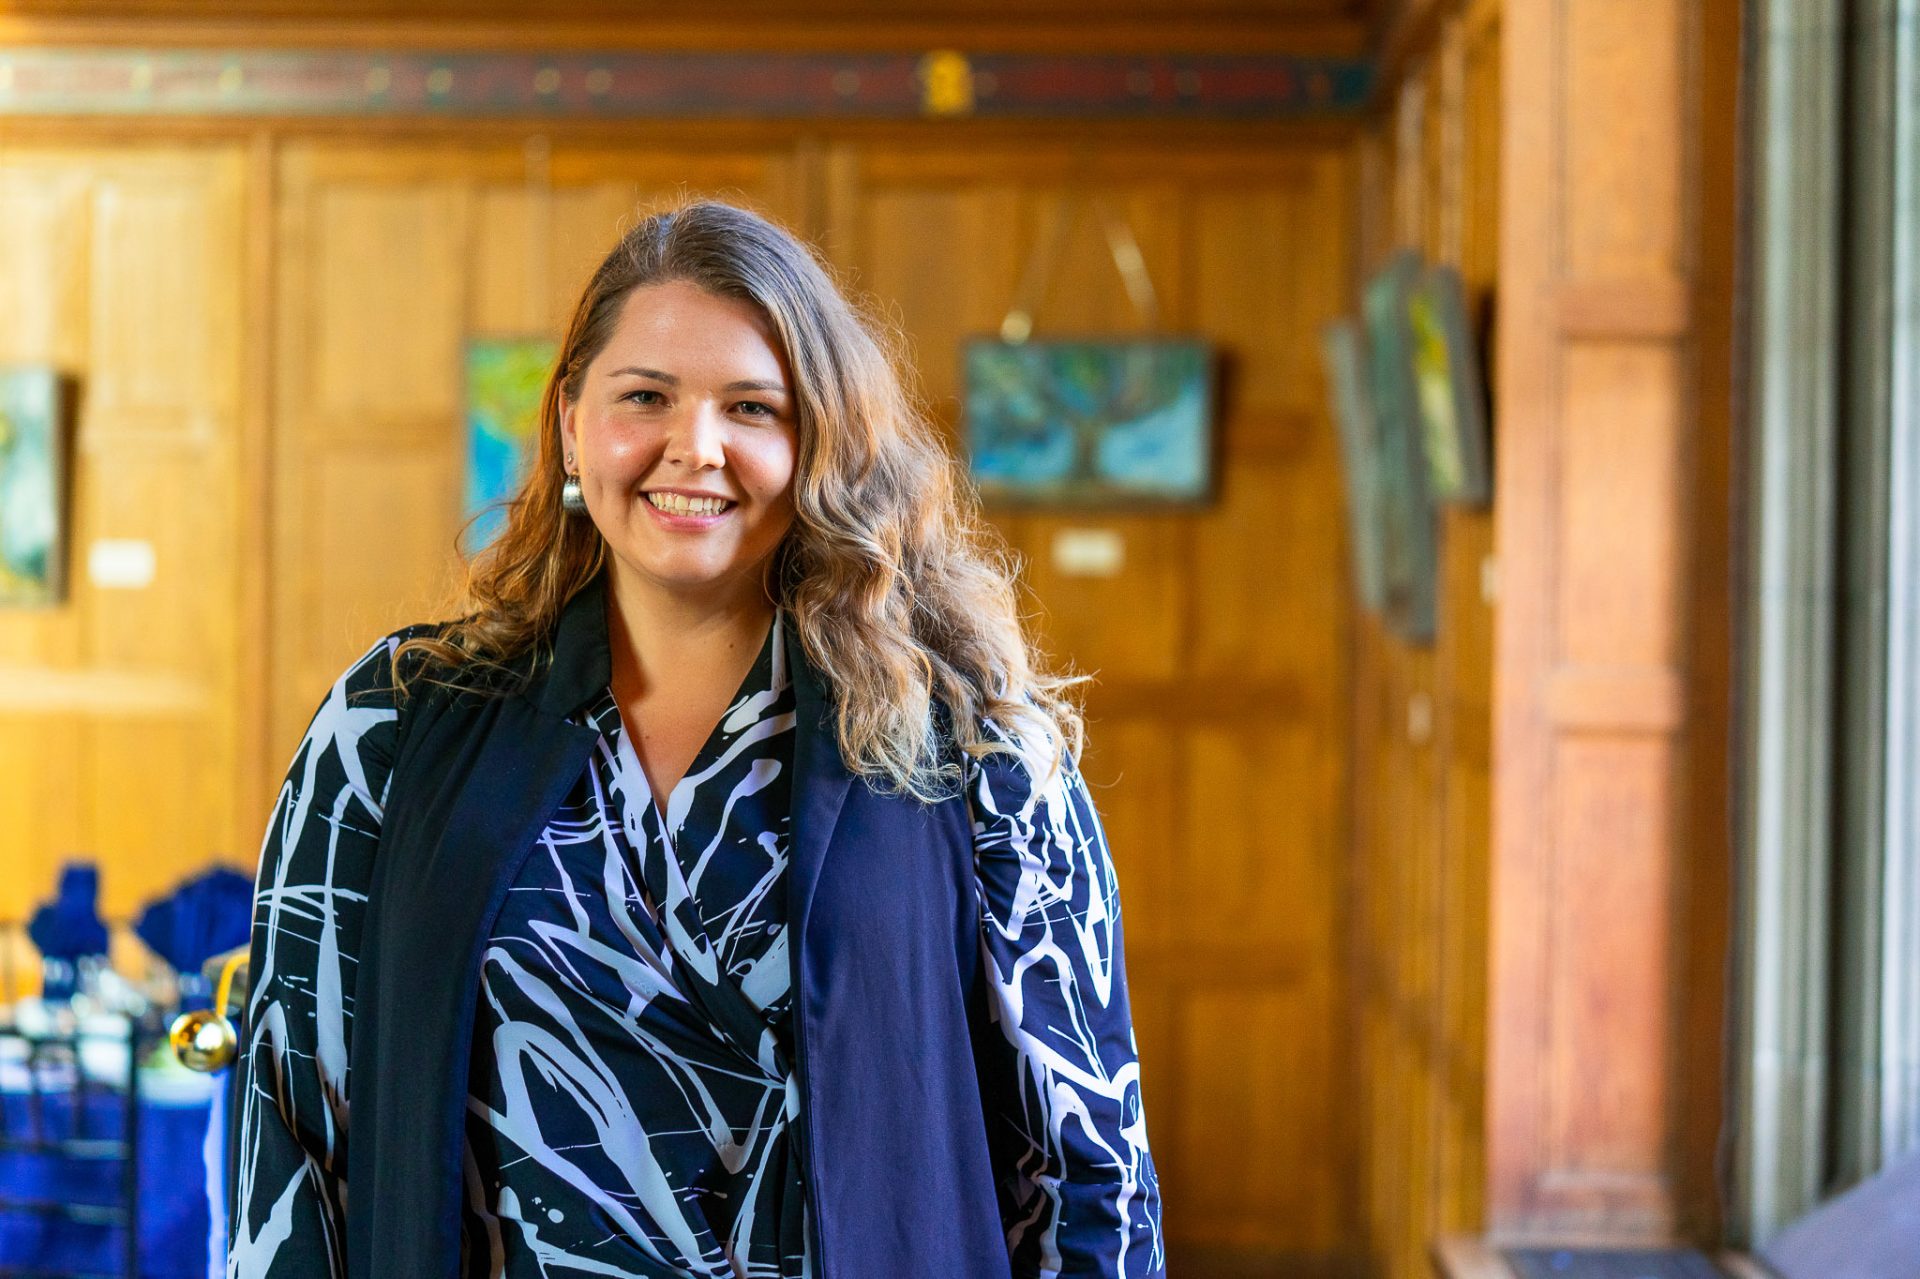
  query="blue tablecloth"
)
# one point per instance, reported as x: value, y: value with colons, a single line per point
x: 181, y: 1214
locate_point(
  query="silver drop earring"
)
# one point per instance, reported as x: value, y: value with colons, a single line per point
x: 572, y: 501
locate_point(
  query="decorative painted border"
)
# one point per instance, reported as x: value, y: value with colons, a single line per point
x: 110, y: 81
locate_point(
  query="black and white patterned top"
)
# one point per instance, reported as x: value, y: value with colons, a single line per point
x: 632, y: 1086
x: 632, y: 1094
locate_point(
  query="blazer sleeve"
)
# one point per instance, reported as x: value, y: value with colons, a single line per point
x: 287, y: 1160
x: 1060, y: 1072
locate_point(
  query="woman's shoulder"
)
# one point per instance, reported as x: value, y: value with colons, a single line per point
x: 1019, y: 756
x: 422, y: 656
x: 369, y: 678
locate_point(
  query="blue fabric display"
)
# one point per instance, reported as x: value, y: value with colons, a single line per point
x: 206, y: 915
x: 177, y: 1217
x: 69, y: 926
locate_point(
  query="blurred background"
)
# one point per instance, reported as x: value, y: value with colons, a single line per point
x: 1472, y: 442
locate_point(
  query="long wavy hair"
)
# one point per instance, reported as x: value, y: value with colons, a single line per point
x: 901, y: 595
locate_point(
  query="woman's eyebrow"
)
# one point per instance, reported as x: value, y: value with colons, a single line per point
x: 655, y: 374
x: 671, y: 380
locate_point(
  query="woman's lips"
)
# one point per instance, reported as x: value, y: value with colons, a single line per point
x: 690, y: 522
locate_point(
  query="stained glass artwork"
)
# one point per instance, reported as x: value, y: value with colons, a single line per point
x: 1092, y: 421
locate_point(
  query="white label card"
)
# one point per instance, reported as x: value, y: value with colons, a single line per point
x: 1089, y: 552
x: 120, y: 563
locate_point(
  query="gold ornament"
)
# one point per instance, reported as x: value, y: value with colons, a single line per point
x: 204, y: 1039
x: 946, y: 83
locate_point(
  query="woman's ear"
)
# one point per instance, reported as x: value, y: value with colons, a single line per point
x: 569, y: 446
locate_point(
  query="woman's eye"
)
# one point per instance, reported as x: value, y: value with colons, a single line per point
x: 633, y: 395
x: 757, y: 409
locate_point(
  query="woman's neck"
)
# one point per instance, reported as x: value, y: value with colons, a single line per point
x: 694, y: 635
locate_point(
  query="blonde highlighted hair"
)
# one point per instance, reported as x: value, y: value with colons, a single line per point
x: 901, y: 596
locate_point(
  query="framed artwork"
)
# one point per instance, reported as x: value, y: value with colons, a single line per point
x: 1406, y: 503
x: 1344, y: 353
x: 505, y: 378
x: 1090, y: 421
x: 1449, y: 391
x: 33, y: 485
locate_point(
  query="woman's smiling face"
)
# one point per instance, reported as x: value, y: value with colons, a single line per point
x: 684, y: 439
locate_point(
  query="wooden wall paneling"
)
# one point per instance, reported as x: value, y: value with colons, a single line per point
x: 1590, y: 1051
x: 256, y: 774
x: 1364, y: 1013
x: 985, y: 219
x: 124, y: 704
x: 1427, y: 178
x: 1261, y: 915
x: 373, y: 298
x: 540, y: 245
x: 41, y: 258
x: 392, y: 256
x: 160, y: 424
x: 1705, y: 884
x: 1378, y: 733
x: 1218, y: 743
x: 1464, y: 703
x: 43, y: 248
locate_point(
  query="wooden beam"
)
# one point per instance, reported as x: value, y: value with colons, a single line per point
x: 1145, y: 33
x: 558, y: 84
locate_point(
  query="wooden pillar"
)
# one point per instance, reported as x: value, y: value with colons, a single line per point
x: 1604, y: 706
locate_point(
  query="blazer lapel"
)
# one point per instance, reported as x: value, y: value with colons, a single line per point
x: 474, y: 789
x: 820, y: 784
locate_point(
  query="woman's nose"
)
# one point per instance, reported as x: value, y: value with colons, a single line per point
x: 698, y: 437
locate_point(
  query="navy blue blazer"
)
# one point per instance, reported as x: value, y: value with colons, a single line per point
x: 889, y: 995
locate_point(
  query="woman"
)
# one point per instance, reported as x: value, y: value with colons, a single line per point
x: 719, y: 895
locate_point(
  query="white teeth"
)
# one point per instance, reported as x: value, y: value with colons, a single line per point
x: 677, y: 504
